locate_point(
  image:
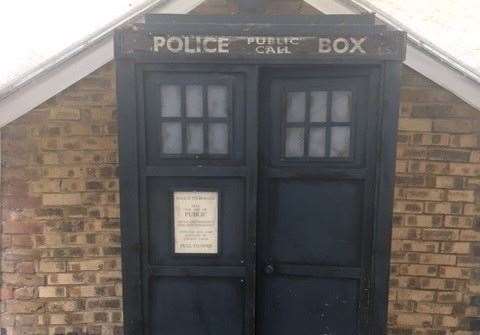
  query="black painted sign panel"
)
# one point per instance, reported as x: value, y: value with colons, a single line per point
x: 259, y: 45
x: 381, y: 45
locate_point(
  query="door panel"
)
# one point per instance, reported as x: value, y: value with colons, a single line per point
x: 307, y: 211
x: 200, y: 306
x: 316, y: 198
x: 309, y: 306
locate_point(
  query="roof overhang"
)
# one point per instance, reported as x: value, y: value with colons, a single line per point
x: 90, y: 55
x: 62, y: 74
x: 440, y: 69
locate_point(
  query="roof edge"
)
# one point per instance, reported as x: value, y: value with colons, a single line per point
x: 75, y: 49
x: 421, y: 42
x: 430, y: 62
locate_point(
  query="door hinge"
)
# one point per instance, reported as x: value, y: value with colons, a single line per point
x: 366, y: 304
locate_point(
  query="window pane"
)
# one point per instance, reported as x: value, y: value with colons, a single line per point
x: 295, y: 106
x: 170, y: 100
x: 341, y: 106
x: 217, y: 101
x: 194, y: 100
x: 294, y: 142
x: 340, y: 143
x: 171, y: 138
x: 316, y: 146
x: 195, y: 138
x: 218, y: 138
x: 318, y: 106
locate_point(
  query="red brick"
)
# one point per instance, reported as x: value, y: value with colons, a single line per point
x: 6, y: 293
x: 26, y: 267
x: 22, y: 228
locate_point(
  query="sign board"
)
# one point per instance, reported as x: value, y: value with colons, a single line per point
x: 195, y: 222
x: 381, y: 45
x: 259, y: 45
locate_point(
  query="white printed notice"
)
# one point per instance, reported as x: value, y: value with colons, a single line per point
x: 196, y: 222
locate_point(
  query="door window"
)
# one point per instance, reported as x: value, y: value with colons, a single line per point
x: 184, y: 129
x: 193, y: 118
x: 318, y: 124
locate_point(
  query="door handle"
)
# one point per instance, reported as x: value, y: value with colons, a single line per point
x: 269, y: 269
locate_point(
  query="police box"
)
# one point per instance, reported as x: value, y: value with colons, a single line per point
x: 256, y: 173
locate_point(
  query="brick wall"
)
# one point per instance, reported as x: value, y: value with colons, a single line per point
x: 60, y: 264
x: 435, y: 283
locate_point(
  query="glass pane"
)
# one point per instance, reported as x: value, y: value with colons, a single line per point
x: 318, y: 106
x: 340, y: 144
x: 218, y: 138
x: 341, y: 106
x: 170, y: 100
x: 195, y: 138
x: 194, y: 100
x: 171, y: 138
x: 294, y: 142
x: 316, y: 146
x: 217, y: 101
x: 295, y: 106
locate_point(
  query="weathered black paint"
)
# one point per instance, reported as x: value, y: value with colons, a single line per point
x: 369, y: 42
x: 235, y: 291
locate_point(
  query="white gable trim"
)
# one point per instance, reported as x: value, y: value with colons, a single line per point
x: 432, y: 67
x: 177, y: 7
x: 443, y: 75
x: 51, y: 82
x: 330, y: 7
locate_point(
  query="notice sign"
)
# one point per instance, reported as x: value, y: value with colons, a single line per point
x: 195, y: 222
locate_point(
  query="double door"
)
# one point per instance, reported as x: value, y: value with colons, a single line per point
x: 257, y: 200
